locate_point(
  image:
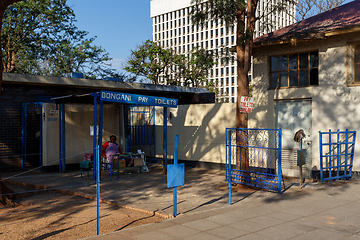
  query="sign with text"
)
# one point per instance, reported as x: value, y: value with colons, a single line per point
x: 246, y: 104
x: 138, y: 99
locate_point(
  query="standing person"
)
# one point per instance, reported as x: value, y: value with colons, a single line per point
x: 110, y: 148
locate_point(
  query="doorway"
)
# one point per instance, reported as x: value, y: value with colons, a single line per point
x: 292, y: 116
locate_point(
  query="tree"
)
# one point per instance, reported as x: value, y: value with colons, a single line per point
x: 194, y: 67
x: 242, y: 14
x: 152, y: 61
x: 40, y: 37
x: 164, y: 66
x: 3, y: 5
x: 309, y: 8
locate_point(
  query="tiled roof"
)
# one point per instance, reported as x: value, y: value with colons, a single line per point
x: 340, y: 18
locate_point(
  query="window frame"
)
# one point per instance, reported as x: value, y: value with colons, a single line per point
x: 289, y: 70
x: 350, y: 64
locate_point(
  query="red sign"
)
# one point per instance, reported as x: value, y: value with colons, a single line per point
x: 246, y: 104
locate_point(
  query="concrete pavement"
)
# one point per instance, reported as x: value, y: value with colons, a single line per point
x: 318, y: 211
x: 329, y: 211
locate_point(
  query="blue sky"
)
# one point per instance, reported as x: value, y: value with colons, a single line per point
x: 119, y: 25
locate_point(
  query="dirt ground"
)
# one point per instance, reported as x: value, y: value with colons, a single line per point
x: 52, y: 215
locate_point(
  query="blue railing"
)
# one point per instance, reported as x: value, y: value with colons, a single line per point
x: 336, y: 154
x: 253, y: 157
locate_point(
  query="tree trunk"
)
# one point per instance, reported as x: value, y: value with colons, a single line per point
x: 244, y: 37
x: 3, y: 5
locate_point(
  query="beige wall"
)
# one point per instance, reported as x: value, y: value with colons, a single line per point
x: 78, y: 119
x: 334, y: 104
x: 201, y: 130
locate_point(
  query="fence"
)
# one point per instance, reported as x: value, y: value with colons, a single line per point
x: 253, y: 157
x: 336, y: 154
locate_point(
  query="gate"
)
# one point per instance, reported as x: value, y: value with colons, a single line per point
x: 337, y: 154
x: 142, y: 129
x: 253, y: 157
x: 31, y: 134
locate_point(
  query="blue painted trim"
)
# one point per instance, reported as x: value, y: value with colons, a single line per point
x: 135, y: 99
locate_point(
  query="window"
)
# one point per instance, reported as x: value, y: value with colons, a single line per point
x: 357, y: 64
x: 294, y: 70
x: 353, y: 71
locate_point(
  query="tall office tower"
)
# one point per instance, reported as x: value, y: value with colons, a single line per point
x: 172, y: 28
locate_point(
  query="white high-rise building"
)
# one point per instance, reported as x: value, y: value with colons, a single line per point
x: 172, y: 28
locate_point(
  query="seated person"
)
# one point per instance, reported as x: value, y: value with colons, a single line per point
x: 110, y: 148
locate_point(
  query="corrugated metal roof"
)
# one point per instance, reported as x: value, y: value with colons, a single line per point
x: 340, y: 18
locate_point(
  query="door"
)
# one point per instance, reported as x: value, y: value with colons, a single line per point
x: 292, y: 116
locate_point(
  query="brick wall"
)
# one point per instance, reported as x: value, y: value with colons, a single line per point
x: 11, y: 100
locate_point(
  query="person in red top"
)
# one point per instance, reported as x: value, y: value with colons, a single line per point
x: 110, y: 148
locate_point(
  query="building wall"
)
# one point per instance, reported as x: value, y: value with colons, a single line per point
x: 11, y: 100
x: 201, y: 130
x: 172, y: 28
x: 334, y: 104
x: 78, y: 118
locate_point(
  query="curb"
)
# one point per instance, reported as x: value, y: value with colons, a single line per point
x: 68, y: 192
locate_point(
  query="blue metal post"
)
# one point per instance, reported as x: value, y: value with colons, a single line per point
x: 346, y: 151
x: 330, y: 158
x: 321, y: 158
x: 127, y: 128
x: 41, y: 133
x: 97, y: 150
x: 63, y: 138
x: 338, y: 153
x: 279, y: 161
x: 24, y: 123
x: 101, y: 115
x: 165, y: 138
x: 95, y: 162
x: 60, y: 138
x: 175, y: 162
x: 228, y: 136
x: 352, y: 153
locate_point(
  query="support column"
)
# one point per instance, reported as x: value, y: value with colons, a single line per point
x: 95, y: 163
x: 165, y: 138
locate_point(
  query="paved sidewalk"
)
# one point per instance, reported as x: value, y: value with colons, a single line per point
x: 329, y: 211
x: 318, y: 211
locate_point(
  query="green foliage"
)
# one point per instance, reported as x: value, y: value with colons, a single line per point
x: 152, y: 61
x: 164, y: 66
x: 40, y: 37
x: 194, y: 67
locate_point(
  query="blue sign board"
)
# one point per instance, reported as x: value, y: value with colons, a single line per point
x: 137, y: 99
x: 175, y: 175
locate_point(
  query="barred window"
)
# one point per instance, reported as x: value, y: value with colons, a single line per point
x: 295, y: 70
